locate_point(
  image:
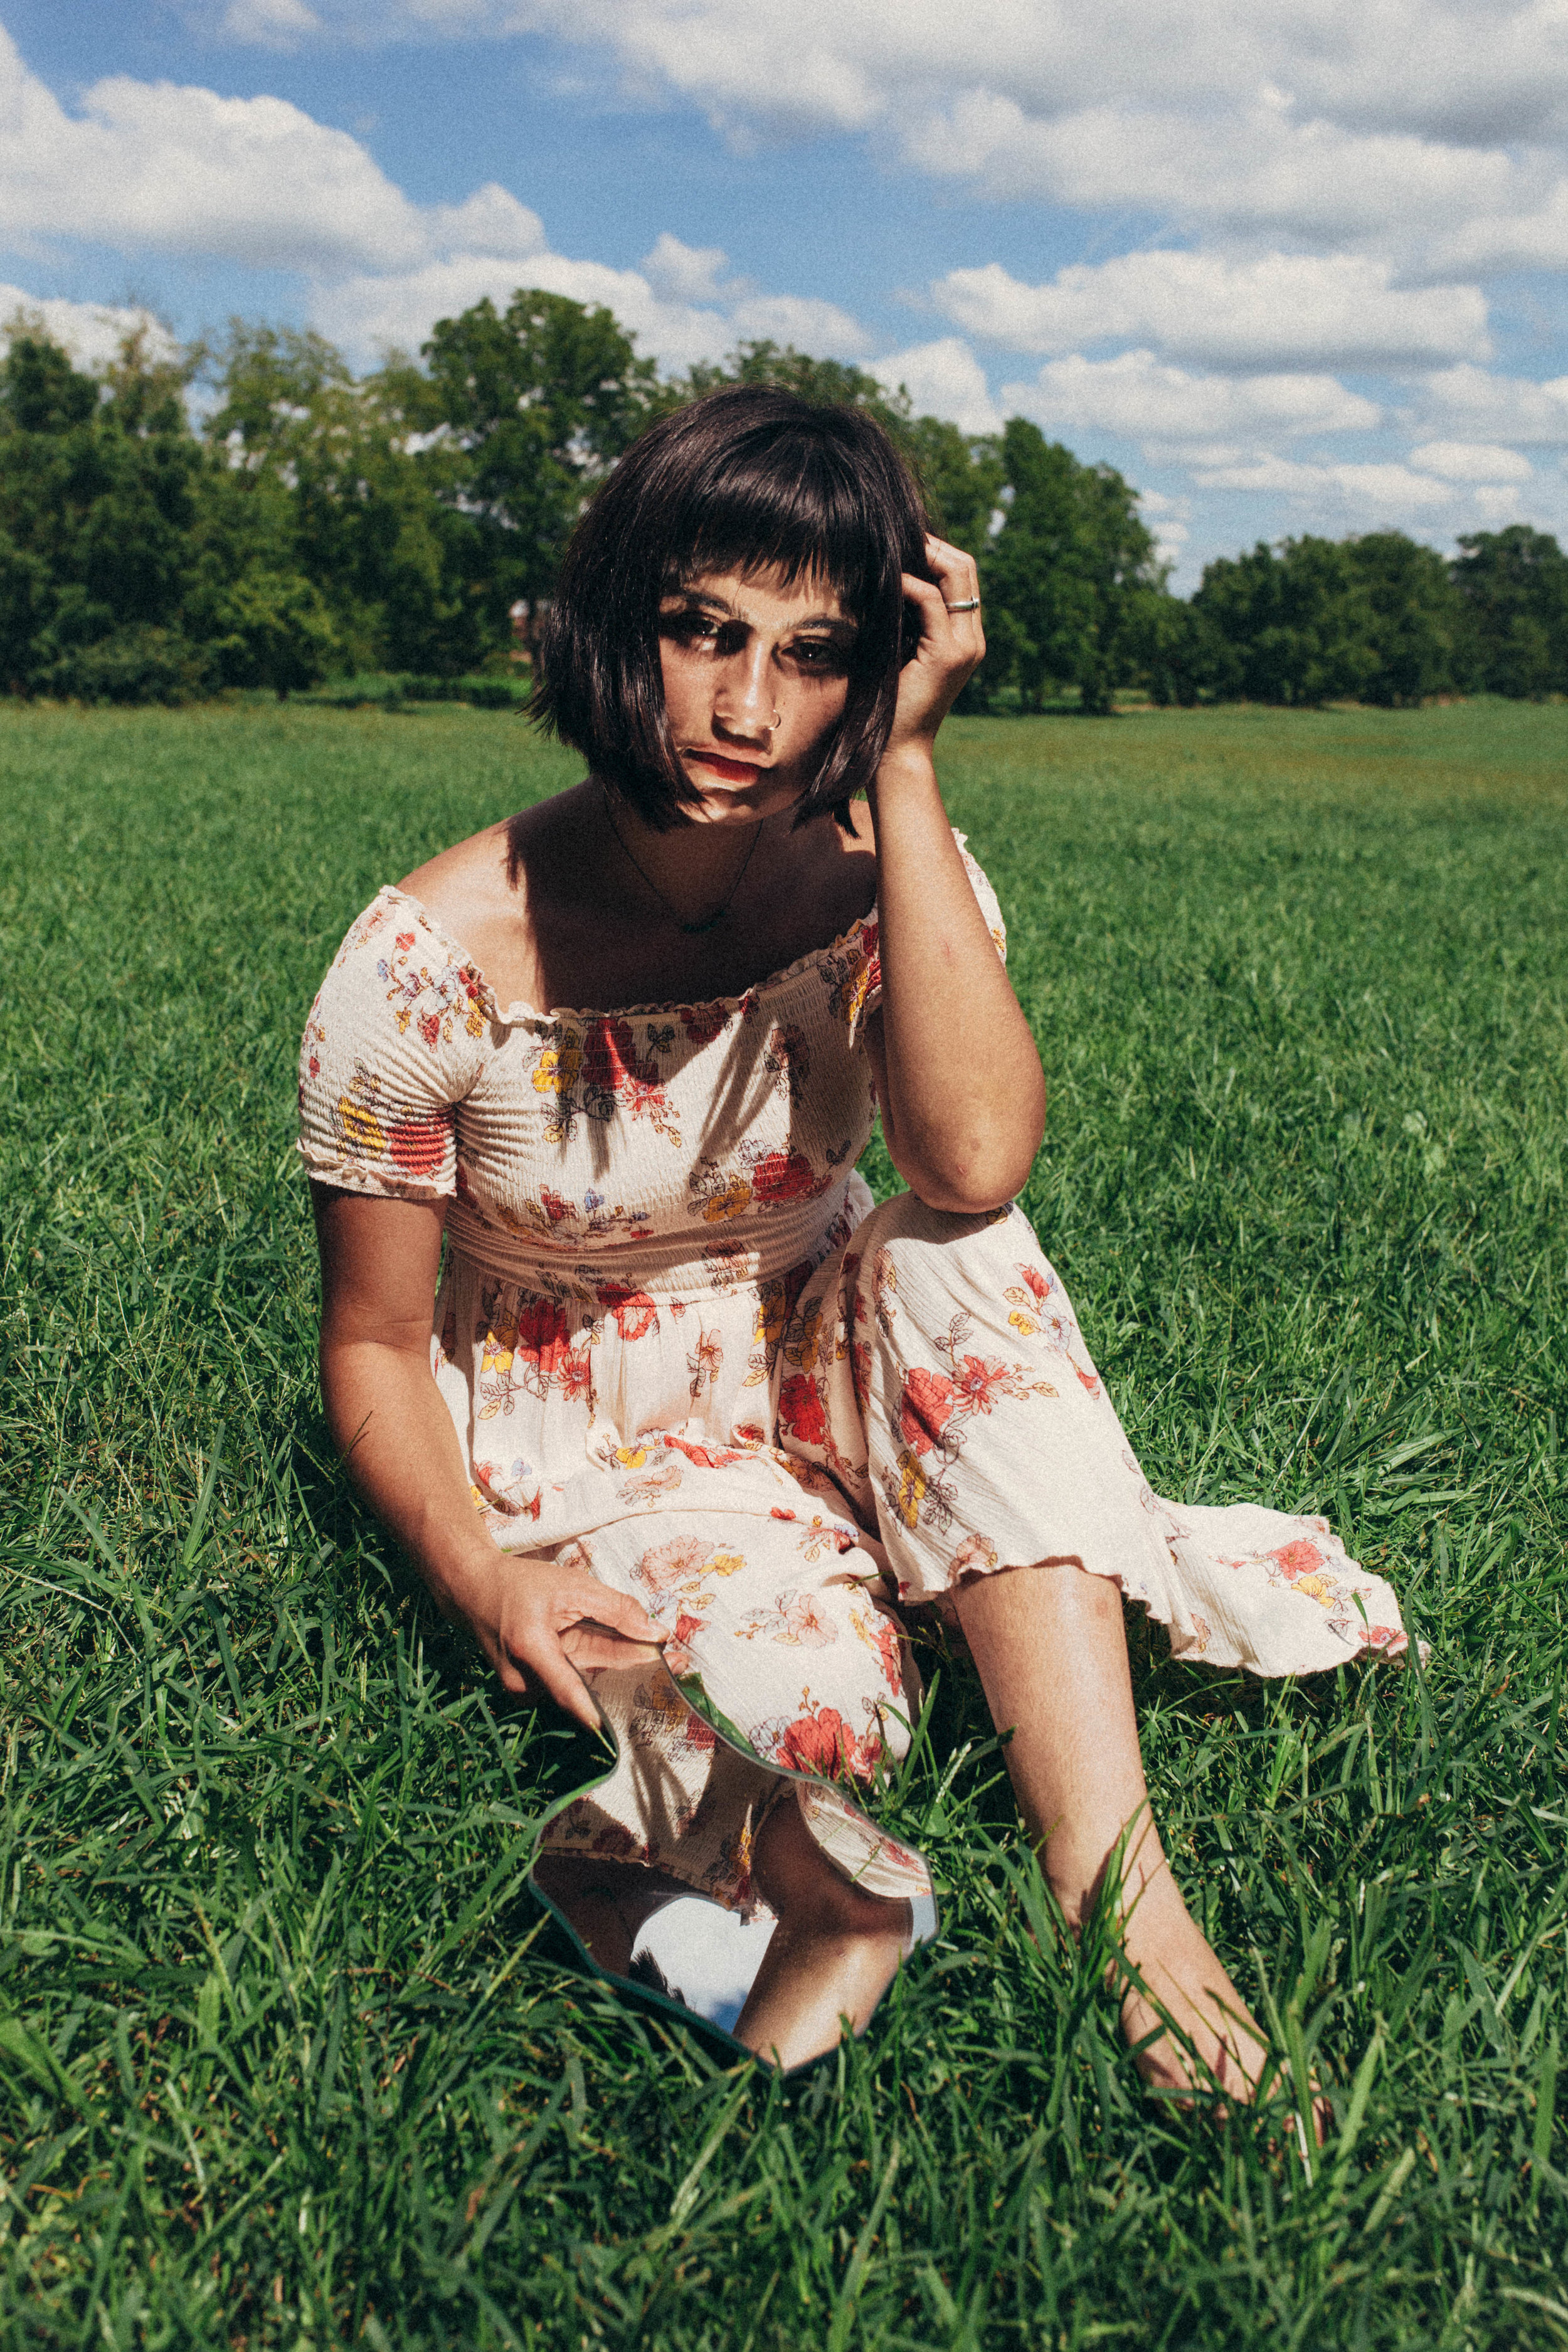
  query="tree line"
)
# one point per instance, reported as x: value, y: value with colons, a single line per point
x: 251, y: 513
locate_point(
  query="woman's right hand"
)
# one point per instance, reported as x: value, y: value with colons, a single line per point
x: 541, y: 1625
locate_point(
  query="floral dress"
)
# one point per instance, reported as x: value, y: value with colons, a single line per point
x: 684, y: 1350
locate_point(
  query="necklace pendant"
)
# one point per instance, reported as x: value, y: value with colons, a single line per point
x: 695, y: 930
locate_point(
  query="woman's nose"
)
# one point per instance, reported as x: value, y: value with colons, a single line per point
x: 745, y: 700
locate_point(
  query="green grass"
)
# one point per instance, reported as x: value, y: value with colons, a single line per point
x: 287, y: 2055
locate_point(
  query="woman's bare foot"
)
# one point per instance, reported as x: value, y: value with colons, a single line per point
x: 1184, y: 1984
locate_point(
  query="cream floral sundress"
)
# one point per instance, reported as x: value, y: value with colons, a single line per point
x: 683, y: 1349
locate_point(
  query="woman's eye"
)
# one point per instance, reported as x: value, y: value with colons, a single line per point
x: 818, y: 653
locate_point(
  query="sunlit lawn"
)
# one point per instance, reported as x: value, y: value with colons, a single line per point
x: 286, y: 2054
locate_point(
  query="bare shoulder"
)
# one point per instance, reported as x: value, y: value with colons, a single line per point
x: 464, y: 884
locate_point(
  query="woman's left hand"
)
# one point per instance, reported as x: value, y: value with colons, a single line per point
x: 952, y: 646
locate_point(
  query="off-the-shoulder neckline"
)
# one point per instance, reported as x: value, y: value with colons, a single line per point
x: 522, y: 1012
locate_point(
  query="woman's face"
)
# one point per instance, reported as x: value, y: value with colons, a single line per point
x: 755, y: 674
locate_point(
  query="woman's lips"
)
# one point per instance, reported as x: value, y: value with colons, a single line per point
x: 735, y: 771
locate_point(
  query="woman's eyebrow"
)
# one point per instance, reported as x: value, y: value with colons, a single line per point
x: 841, y: 623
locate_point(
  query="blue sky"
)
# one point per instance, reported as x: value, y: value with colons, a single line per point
x: 1292, y: 268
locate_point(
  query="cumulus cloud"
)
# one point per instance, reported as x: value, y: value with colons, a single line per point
x: 942, y: 379
x: 1280, y: 310
x: 157, y: 167
x: 269, y: 24
x: 1467, y: 403
x: 1144, y: 399
x: 91, y: 332
x: 1355, y: 119
x: 684, y: 273
x: 154, y: 167
x: 1471, y: 461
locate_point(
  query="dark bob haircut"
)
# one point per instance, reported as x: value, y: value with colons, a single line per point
x: 746, y: 480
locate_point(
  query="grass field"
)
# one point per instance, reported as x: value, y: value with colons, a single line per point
x: 287, y: 2057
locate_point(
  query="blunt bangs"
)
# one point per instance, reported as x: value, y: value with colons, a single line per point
x: 746, y: 480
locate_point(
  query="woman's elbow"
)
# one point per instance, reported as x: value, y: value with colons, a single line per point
x: 973, y: 1183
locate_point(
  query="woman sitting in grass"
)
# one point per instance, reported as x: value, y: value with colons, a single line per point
x: 687, y: 1385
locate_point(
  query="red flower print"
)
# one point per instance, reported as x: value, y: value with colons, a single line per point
x: 635, y: 1312
x: 926, y: 1408
x: 1297, y: 1558
x: 776, y: 1513
x: 702, y: 1022
x: 1088, y: 1379
x: 801, y: 1410
x: 430, y: 1028
x: 576, y: 1380
x: 542, y: 1336
x: 405, y: 940
x: 784, y: 1176
x: 706, y: 1457
x: 1037, y: 1281
x: 554, y: 1207
x: 977, y: 1382
x: 419, y: 1145
x: 887, y: 1643
x: 668, y: 1566
x: 823, y: 1743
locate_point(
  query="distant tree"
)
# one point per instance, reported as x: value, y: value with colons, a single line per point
x: 1182, y: 655
x: 1416, y: 618
x: 334, y: 485
x: 1513, y: 585
x: 1297, y: 618
x: 99, y: 489
x: 532, y: 408
x: 1067, y: 577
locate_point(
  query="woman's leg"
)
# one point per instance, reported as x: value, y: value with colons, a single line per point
x: 833, y: 1953
x: 1052, y: 1658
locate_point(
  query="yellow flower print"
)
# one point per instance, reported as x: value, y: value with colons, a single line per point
x: 557, y: 1070
x: 732, y: 1202
x: 725, y: 1563
x: 911, y: 1488
x: 1022, y: 1323
x: 361, y: 1129
x: 803, y: 1350
x: 629, y: 1457
x: 773, y: 1314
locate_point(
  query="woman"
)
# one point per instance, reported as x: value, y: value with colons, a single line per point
x: 687, y: 1386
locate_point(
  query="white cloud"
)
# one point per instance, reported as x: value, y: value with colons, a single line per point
x: 1467, y: 403
x: 821, y: 328
x: 1145, y: 400
x: 1383, y: 120
x: 1384, y: 489
x: 942, y: 379
x: 91, y: 332
x: 684, y: 273
x: 1279, y: 309
x: 269, y: 24
x: 1533, y: 240
x: 153, y: 167
x: 1471, y: 461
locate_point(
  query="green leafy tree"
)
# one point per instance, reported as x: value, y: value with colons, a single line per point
x: 1416, y: 618
x: 334, y: 485
x: 98, y: 488
x: 1068, y: 578
x: 1298, y: 619
x: 1513, y: 585
x: 532, y: 408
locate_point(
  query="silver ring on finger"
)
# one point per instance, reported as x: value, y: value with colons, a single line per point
x: 968, y: 604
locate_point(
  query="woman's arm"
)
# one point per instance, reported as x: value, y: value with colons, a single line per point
x: 379, y: 1263
x: 958, y: 1076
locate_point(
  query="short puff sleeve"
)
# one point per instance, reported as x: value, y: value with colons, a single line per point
x: 395, y: 1041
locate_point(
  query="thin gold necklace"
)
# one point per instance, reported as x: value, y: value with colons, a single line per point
x: 693, y: 930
